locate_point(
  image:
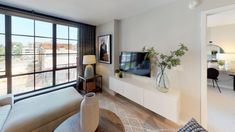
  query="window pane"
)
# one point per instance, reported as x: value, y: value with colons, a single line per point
x: 2, y: 65
x: 22, y: 45
x: 62, y: 53
x: 22, y: 64
x: 72, y: 74
x: 61, y: 60
x: 3, y: 86
x: 22, y: 26
x: 2, y: 44
x: 43, y: 29
x: 43, y: 80
x: 22, y: 84
x: 43, y: 46
x: 2, y: 23
x: 73, y: 33
x: 43, y: 62
x: 72, y: 59
x: 62, y: 31
x: 61, y: 76
x: 62, y: 46
x: 72, y: 46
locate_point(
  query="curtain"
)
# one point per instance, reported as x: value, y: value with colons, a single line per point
x: 86, y: 44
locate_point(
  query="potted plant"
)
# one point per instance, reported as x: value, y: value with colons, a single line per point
x: 221, y: 64
x: 116, y: 72
x: 164, y: 62
x: 120, y: 74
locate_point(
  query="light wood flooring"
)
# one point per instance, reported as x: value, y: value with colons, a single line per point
x: 221, y: 110
x: 134, y: 117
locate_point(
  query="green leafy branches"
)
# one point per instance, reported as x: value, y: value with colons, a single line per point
x: 166, y: 61
x: 151, y: 52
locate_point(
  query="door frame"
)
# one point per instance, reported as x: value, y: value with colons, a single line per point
x: 204, y: 14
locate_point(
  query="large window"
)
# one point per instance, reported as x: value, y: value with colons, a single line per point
x: 66, y: 53
x: 33, y: 44
x: 31, y: 54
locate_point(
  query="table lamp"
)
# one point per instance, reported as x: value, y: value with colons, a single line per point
x: 88, y: 60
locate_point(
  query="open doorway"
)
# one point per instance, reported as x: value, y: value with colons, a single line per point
x: 218, y: 69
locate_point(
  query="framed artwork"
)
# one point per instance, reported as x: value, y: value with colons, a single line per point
x: 105, y: 54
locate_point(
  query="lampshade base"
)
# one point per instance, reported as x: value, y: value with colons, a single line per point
x: 89, y: 71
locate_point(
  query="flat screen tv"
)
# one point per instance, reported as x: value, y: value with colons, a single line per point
x: 135, y: 63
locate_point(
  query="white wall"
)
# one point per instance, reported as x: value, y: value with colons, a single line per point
x: 103, y: 69
x: 223, y: 36
x: 164, y: 28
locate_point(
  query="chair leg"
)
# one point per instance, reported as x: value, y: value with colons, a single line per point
x: 217, y: 86
x: 213, y: 83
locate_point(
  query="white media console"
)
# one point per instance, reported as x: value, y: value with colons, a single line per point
x: 146, y: 94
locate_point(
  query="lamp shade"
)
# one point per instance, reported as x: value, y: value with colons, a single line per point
x: 89, y: 59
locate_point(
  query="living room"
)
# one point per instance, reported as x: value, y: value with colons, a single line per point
x: 47, y: 46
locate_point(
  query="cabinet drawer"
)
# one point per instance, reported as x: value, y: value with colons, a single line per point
x: 133, y: 93
x: 161, y: 105
x: 116, y: 85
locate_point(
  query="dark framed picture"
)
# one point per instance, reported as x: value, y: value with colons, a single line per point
x: 105, y: 53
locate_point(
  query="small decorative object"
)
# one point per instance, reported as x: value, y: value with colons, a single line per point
x: 88, y: 60
x: 165, y: 61
x: 89, y: 113
x: 221, y: 64
x: 120, y: 74
x: 105, y: 49
x: 117, y: 71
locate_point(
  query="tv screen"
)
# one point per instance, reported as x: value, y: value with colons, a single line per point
x: 135, y: 63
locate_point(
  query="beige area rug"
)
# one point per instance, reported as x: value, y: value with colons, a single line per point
x: 134, y: 117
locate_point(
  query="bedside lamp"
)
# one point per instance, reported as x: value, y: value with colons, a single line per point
x: 88, y: 60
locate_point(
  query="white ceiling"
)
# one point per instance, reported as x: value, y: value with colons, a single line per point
x: 93, y: 12
x: 220, y: 19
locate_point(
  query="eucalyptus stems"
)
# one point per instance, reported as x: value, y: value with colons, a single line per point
x: 166, y: 61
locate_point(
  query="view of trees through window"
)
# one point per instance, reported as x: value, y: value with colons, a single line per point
x: 32, y: 54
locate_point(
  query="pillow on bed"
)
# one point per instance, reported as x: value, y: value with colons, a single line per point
x: 192, y: 126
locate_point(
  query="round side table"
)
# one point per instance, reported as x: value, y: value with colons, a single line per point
x: 109, y: 122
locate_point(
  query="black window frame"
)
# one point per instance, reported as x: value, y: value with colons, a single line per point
x: 12, y: 11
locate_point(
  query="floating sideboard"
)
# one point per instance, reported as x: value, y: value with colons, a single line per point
x: 146, y: 95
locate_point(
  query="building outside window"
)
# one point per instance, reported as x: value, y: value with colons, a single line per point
x: 32, y: 64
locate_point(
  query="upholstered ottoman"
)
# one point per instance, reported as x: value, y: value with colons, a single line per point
x: 44, y: 112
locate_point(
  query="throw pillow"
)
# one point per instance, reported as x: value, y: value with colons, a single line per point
x: 192, y: 126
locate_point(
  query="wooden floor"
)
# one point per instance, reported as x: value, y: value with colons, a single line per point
x: 134, y: 117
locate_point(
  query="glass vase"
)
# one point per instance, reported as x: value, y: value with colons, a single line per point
x: 162, y: 81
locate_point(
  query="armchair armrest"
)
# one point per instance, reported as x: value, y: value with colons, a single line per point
x: 6, y: 100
